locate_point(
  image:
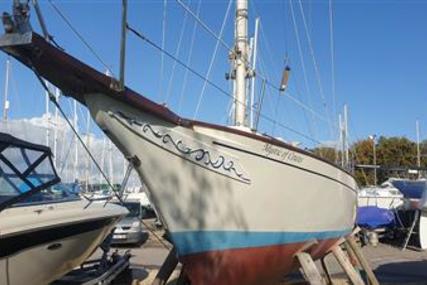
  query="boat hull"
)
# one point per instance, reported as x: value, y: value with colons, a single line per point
x: 205, y: 180
x: 42, y: 243
x: 256, y: 265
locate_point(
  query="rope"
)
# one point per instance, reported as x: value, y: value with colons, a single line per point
x: 53, y: 100
x: 208, y: 73
x: 222, y: 91
x: 162, y: 58
x: 190, y: 53
x: 81, y: 38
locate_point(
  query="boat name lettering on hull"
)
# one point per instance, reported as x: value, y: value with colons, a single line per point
x: 282, y: 154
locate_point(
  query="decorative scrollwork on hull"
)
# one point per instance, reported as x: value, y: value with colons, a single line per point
x: 199, y: 152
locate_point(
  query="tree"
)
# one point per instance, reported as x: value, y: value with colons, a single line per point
x: 327, y: 153
x: 362, y: 154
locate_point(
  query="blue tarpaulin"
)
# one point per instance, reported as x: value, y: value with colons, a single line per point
x: 413, y: 189
x: 372, y: 217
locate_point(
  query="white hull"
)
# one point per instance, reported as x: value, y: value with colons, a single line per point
x: 268, y: 188
x: 50, y: 240
x: 423, y: 230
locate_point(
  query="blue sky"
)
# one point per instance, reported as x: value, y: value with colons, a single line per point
x: 380, y: 61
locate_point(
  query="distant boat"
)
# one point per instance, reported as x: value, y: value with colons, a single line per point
x: 237, y: 204
x: 43, y: 235
x: 410, y: 188
x: 385, y: 196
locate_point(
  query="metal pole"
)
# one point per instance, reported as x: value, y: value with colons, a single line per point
x: 254, y: 56
x: 41, y: 20
x: 418, y: 145
x: 345, y: 125
x: 55, y: 130
x: 123, y: 45
x: 241, y: 52
x: 6, y: 91
x: 375, y: 160
x: 76, y: 150
x: 341, y: 139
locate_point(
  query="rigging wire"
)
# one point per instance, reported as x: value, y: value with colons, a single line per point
x: 53, y: 100
x: 213, y: 58
x: 177, y: 51
x: 79, y: 36
x: 316, y: 66
x: 220, y: 89
x: 162, y: 58
x: 210, y: 31
x: 301, y: 57
x: 204, y: 26
x: 332, y: 46
x: 189, y: 57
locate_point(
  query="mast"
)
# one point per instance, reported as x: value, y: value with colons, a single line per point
x: 240, y: 61
x: 254, y: 56
x: 123, y: 44
x: 6, y: 91
x: 47, y: 114
x: 76, y: 150
x: 102, y: 159
x: 110, y: 162
x: 345, y: 138
x: 55, y: 130
x: 88, y: 145
x: 417, y: 126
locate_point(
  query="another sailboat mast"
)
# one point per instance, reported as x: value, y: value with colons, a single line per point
x: 6, y: 91
x: 240, y: 61
x: 417, y: 126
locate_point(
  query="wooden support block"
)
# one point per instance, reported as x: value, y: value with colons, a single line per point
x: 167, y: 268
x: 310, y: 271
x: 347, y: 266
x: 326, y: 271
x: 362, y: 260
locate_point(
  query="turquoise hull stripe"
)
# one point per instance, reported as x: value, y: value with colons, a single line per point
x: 201, y: 241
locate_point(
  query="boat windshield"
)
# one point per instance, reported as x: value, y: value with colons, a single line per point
x: 56, y: 193
x: 25, y: 170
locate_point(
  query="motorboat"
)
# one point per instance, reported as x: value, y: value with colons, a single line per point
x: 237, y: 205
x: 45, y: 231
x: 385, y: 196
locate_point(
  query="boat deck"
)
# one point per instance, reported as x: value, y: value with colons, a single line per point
x: 390, y: 264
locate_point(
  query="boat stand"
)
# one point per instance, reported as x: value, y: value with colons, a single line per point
x: 166, y: 270
x: 411, y: 232
x: 353, y: 262
x: 100, y: 271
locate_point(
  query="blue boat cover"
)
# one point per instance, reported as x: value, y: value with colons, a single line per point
x: 372, y: 217
x: 412, y: 189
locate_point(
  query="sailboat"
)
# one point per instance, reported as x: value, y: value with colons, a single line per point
x: 237, y: 204
x: 44, y: 232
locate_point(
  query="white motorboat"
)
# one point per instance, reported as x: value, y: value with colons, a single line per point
x: 385, y: 196
x: 238, y: 205
x: 44, y: 233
